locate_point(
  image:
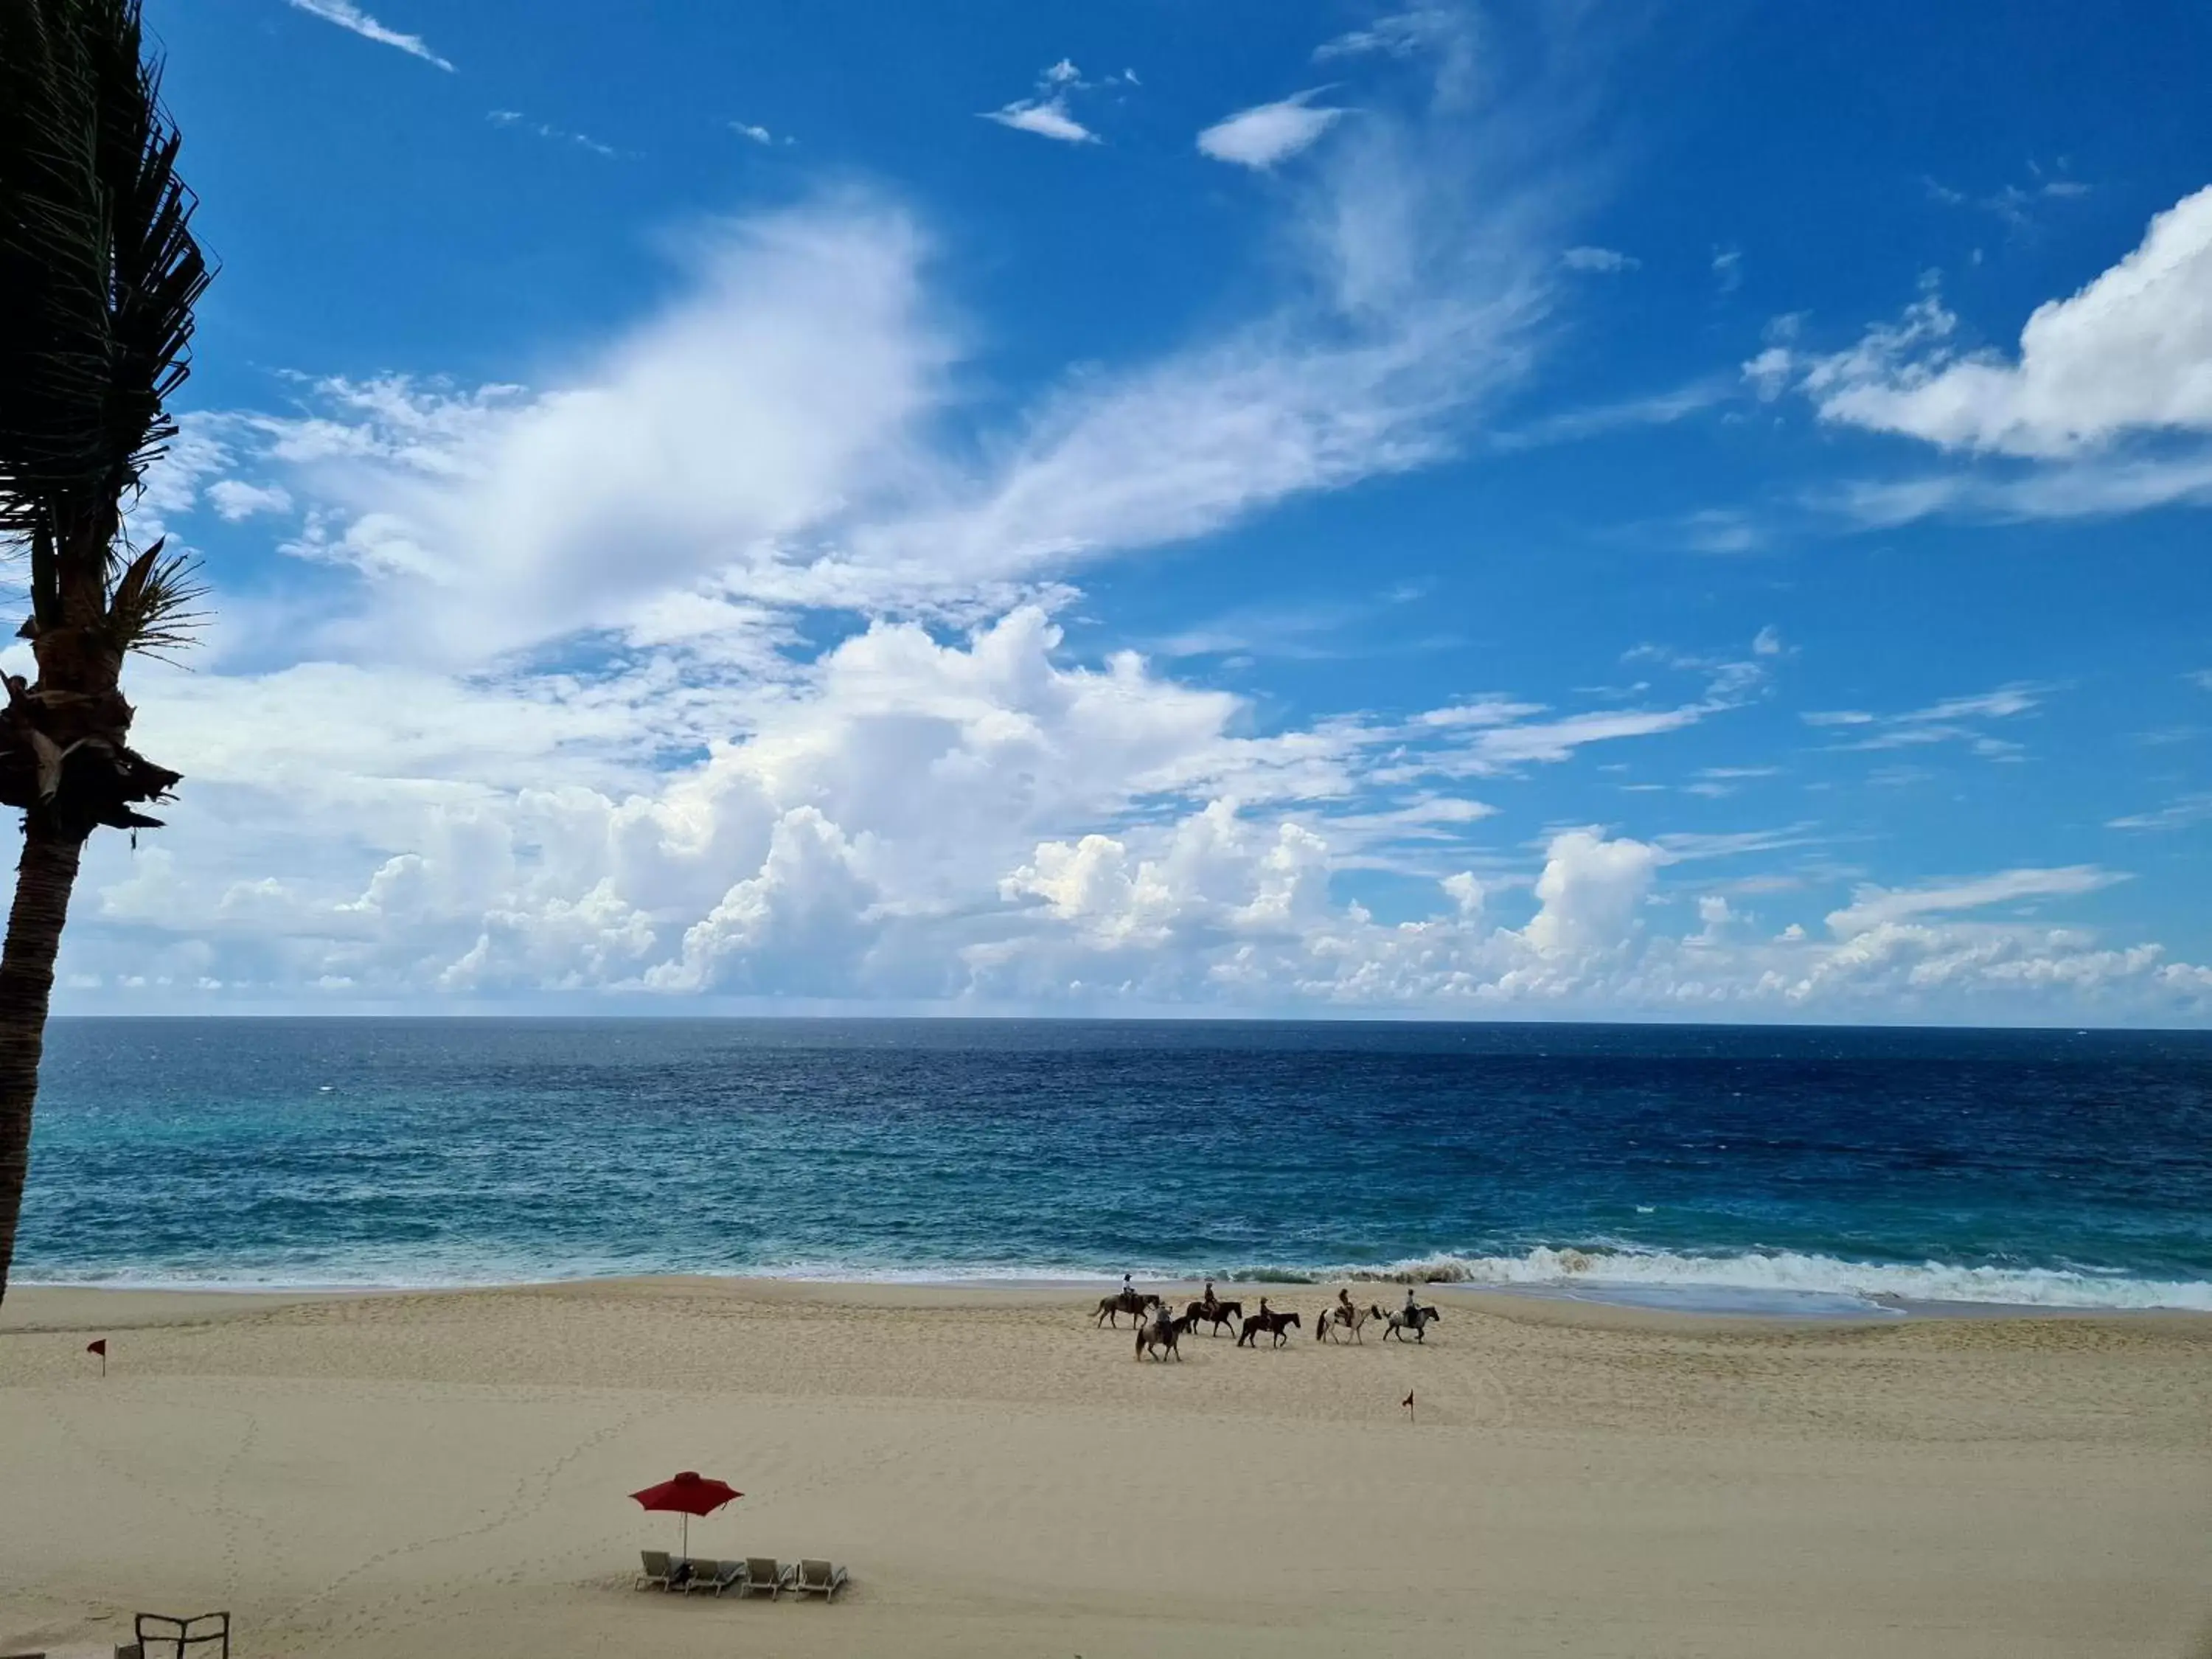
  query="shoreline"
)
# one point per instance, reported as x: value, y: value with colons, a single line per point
x: 71, y: 1306
x: 1749, y: 1282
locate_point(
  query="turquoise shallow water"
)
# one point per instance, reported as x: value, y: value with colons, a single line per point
x: 2070, y: 1169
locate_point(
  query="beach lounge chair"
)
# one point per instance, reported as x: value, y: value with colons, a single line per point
x: 714, y: 1576
x: 819, y: 1578
x: 209, y: 1632
x: 657, y: 1569
x: 765, y: 1575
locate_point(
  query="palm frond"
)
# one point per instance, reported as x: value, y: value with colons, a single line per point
x: 152, y: 607
x: 101, y: 268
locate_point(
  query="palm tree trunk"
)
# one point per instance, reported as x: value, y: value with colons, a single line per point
x: 43, y: 882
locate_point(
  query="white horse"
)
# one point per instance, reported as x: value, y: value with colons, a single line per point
x: 1416, y: 1319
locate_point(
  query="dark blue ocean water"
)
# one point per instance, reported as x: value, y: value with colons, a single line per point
x: 2034, y: 1167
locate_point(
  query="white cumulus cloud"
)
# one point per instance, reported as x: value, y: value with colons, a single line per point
x: 234, y: 499
x: 1588, y: 893
x: 1047, y: 113
x: 1046, y: 119
x: 2129, y: 353
x: 1266, y: 134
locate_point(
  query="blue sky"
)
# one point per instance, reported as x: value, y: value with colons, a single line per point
x: 1693, y: 512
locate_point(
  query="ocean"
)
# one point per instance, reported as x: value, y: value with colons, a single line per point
x: 1769, y: 1170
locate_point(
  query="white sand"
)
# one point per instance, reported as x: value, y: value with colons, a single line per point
x: 427, y: 1475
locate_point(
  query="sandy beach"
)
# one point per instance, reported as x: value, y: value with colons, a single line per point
x: 435, y: 1474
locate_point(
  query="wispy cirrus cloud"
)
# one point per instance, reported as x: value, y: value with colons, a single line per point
x: 2095, y: 487
x: 521, y: 123
x: 2013, y: 204
x: 1653, y: 408
x: 1606, y: 260
x: 1874, y: 906
x: 1444, y: 37
x: 782, y: 433
x: 1952, y: 719
x: 2182, y: 814
x: 350, y: 17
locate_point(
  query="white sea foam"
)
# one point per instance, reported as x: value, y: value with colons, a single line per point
x: 1788, y: 1271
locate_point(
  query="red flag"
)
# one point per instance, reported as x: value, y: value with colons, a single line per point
x: 99, y: 1347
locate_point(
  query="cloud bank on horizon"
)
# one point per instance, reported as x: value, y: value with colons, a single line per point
x: 1349, y: 601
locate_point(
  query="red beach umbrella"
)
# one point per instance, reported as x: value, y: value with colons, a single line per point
x: 688, y: 1494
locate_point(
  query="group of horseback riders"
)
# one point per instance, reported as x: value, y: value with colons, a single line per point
x: 1160, y: 1333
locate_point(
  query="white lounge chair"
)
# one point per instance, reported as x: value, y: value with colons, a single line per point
x: 657, y: 1569
x: 714, y: 1576
x: 765, y: 1575
x: 819, y: 1578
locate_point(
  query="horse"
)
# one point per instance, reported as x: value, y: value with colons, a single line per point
x: 1336, y: 1317
x: 1162, y: 1333
x: 1217, y: 1315
x: 1418, y: 1321
x: 1135, y: 1303
x: 1269, y: 1321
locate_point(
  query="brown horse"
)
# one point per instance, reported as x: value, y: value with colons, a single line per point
x: 1135, y: 1303
x: 1219, y: 1314
x: 1269, y: 1321
x: 1162, y: 1333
